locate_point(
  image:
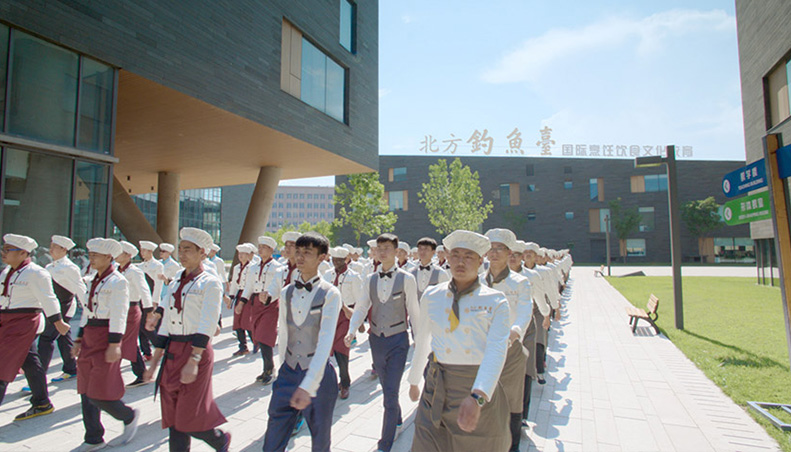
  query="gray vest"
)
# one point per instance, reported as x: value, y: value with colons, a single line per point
x: 388, y: 318
x: 433, y: 279
x: 303, y: 339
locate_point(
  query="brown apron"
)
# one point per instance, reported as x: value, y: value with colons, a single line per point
x: 246, y: 317
x: 541, y: 333
x: 237, y: 318
x: 529, y: 342
x: 512, y: 377
x: 96, y: 378
x: 264, y: 321
x: 17, y: 332
x: 341, y: 330
x: 436, y: 424
x: 129, y: 341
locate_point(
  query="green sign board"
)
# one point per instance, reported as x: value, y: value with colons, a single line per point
x: 747, y: 209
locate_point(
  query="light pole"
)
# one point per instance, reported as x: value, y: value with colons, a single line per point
x: 607, y: 242
x: 675, y: 223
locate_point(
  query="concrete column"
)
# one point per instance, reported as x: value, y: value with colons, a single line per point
x: 260, y: 204
x: 168, y: 197
x: 129, y: 219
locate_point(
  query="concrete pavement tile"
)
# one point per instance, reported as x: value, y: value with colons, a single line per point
x: 636, y: 434
x: 687, y: 438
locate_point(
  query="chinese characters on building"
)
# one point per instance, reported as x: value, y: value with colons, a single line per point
x: 481, y: 143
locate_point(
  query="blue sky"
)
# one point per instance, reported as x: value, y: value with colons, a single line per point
x: 597, y: 73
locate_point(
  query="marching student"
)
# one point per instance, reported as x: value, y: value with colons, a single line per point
x: 139, y: 302
x: 190, y: 315
x: 517, y: 291
x: 402, y: 256
x: 170, y: 266
x: 465, y: 325
x: 442, y: 258
x: 374, y: 263
x: 305, y: 382
x: 261, y: 294
x: 391, y: 294
x: 549, y: 285
x: 98, y: 348
x: 67, y: 284
x: 26, y: 292
x: 290, y: 273
x: 241, y: 322
x: 219, y: 264
x: 154, y: 271
x: 427, y: 273
x: 350, y: 283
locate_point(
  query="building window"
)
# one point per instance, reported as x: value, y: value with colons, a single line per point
x: 649, y: 183
x: 729, y: 249
x: 597, y: 219
x: 777, y: 94
x: 529, y: 170
x: 566, y: 170
x: 635, y: 247
x: 567, y: 185
x: 597, y: 189
x: 396, y: 174
x: 397, y: 200
x: 646, y: 219
x: 531, y: 215
x: 302, y: 196
x: 569, y: 215
x: 509, y: 194
x: 310, y: 196
x: 302, y: 204
x: 347, y: 25
x: 96, y: 106
x: 311, y: 75
x: 531, y: 187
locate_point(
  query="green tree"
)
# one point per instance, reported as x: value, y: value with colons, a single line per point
x: 453, y: 197
x: 625, y: 221
x: 363, y: 206
x: 701, y: 217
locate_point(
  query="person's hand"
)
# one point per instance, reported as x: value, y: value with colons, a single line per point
x: 263, y: 297
x: 62, y: 327
x: 347, y: 341
x: 546, y: 323
x: 113, y: 353
x: 514, y: 337
x: 227, y: 301
x: 469, y: 413
x: 347, y: 312
x: 414, y: 393
x: 151, y: 321
x: 238, y: 308
x: 148, y: 375
x: 300, y: 400
x: 162, y: 277
x: 189, y: 373
x: 557, y: 314
x: 75, y: 349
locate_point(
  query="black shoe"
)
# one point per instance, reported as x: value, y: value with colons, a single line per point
x: 241, y: 352
x: 266, y: 378
x: 35, y: 411
x: 256, y: 348
x: 138, y: 382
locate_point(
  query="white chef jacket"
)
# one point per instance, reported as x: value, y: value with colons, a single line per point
x: 67, y: 274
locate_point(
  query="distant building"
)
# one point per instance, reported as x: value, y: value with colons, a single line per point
x: 563, y: 203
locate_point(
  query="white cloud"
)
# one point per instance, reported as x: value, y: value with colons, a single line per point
x: 536, y: 55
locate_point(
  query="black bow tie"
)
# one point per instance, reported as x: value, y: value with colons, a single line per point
x: 427, y: 267
x: 308, y: 286
x: 385, y: 274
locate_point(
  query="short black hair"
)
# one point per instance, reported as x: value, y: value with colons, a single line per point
x: 387, y: 237
x: 313, y: 240
x: 428, y: 241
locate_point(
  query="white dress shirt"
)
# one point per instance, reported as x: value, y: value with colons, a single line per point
x: 350, y: 284
x: 424, y: 276
x: 550, y: 282
x: 30, y: 287
x: 480, y: 339
x: 383, y: 289
x: 138, y: 287
x: 110, y: 302
x: 269, y: 280
x: 301, y: 300
x: 219, y: 264
x: 238, y: 278
x: 517, y: 291
x: 537, y: 289
x: 67, y: 274
x: 170, y: 267
x: 153, y: 268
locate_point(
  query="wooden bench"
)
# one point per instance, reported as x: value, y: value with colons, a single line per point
x: 599, y: 272
x: 649, y: 314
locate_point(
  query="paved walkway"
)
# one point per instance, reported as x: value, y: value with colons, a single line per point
x: 606, y: 390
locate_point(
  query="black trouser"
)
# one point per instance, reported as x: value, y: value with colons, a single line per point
x: 516, y: 431
x: 138, y: 365
x: 267, y: 356
x: 240, y: 336
x: 180, y: 441
x: 46, y: 346
x: 526, y: 398
x: 541, y: 356
x: 92, y: 416
x: 343, y: 369
x: 144, y: 335
x: 36, y: 379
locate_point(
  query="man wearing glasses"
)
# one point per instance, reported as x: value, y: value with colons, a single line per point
x: 26, y: 292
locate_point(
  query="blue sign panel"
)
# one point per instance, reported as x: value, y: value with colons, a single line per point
x: 747, y: 178
x: 784, y: 161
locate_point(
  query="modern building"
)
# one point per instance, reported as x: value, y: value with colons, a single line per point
x: 103, y: 100
x: 563, y: 202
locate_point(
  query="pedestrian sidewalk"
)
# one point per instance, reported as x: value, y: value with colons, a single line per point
x: 606, y: 390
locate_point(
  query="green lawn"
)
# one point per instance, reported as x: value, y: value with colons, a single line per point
x: 733, y: 331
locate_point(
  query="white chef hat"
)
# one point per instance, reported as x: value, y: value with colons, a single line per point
x: 167, y: 247
x: 542, y: 251
x: 197, y: 236
x: 440, y: 248
x: 371, y: 243
x: 339, y: 252
x: 215, y: 247
x: 129, y: 248
x: 358, y: 251
x: 403, y: 246
x: 468, y: 240
x: 290, y: 236
x: 519, y: 247
x: 63, y: 241
x: 146, y: 245
x: 504, y: 236
x: 20, y: 241
x: 245, y: 248
x: 348, y: 247
x: 105, y: 246
x: 268, y: 241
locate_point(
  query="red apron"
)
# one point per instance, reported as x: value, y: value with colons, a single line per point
x: 340, y: 334
x: 17, y: 333
x: 246, y: 317
x: 129, y: 341
x: 188, y: 408
x: 237, y: 318
x: 96, y: 378
x: 265, y: 321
